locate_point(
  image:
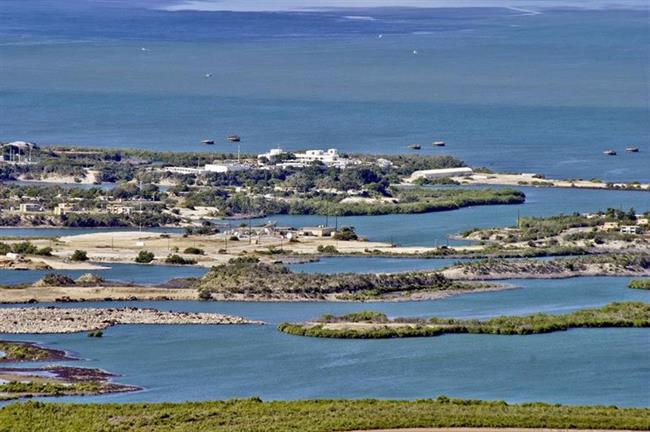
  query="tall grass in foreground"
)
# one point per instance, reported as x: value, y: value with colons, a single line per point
x: 253, y: 415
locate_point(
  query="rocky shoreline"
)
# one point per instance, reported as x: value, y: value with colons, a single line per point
x: 74, y: 320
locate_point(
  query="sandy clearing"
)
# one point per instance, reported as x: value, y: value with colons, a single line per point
x: 528, y: 179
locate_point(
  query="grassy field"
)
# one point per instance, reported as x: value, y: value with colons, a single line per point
x: 253, y: 415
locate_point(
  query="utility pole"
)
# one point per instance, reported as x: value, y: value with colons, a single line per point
x: 518, y: 220
x: 140, y: 205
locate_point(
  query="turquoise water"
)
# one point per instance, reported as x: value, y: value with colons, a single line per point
x: 432, y: 228
x: 129, y: 273
x: 513, y: 91
x: 177, y: 363
x: 435, y: 228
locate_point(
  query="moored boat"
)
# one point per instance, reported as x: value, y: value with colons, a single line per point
x: 233, y: 138
x: 609, y: 153
x: 207, y: 141
x: 632, y: 149
x: 415, y: 146
x: 439, y: 143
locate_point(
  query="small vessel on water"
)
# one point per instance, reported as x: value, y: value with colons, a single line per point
x: 233, y: 138
x: 609, y: 153
x: 439, y: 143
x: 207, y: 141
x: 632, y: 149
x: 415, y: 146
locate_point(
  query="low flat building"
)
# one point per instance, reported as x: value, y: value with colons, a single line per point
x: 63, y: 208
x: 225, y: 167
x: 119, y: 209
x: 30, y: 208
x: 319, y: 231
x: 271, y: 155
x: 629, y: 229
x: 183, y: 170
x: 608, y: 226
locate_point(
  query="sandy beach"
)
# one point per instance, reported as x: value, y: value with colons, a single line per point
x: 529, y: 179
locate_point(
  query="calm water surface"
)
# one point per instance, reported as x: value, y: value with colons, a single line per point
x: 177, y: 363
x: 543, y: 92
x: 130, y: 273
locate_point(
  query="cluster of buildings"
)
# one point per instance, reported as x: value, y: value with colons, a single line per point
x: 281, y: 158
x: 626, y: 229
x: 276, y: 158
x: 254, y: 233
x: 62, y: 209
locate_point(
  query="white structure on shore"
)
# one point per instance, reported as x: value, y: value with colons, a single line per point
x: 329, y: 157
x: 441, y: 173
x: 271, y: 155
x: 224, y: 167
x: 215, y: 167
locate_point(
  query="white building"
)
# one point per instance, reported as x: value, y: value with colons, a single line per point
x: 271, y: 155
x: 629, y: 229
x: 225, y: 167
x: 183, y: 170
x: 329, y: 157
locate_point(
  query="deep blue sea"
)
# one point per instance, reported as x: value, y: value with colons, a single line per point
x: 516, y: 91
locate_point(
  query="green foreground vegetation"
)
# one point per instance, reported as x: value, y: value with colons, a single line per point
x: 627, y: 314
x: 253, y: 415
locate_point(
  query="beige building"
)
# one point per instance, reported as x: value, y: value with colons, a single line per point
x: 119, y: 209
x: 319, y: 231
x: 30, y: 208
x: 63, y: 208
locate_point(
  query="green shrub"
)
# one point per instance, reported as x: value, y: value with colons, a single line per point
x: 24, y: 248
x: 144, y: 257
x: 643, y: 284
x: 179, y: 260
x: 346, y: 234
x: 194, y: 251
x: 79, y: 255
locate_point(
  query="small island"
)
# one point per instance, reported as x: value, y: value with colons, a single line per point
x: 74, y: 320
x: 375, y: 325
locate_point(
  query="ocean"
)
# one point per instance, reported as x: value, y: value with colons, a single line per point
x: 516, y: 91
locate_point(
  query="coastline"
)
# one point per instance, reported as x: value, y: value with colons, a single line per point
x: 39, y: 320
x: 75, y: 294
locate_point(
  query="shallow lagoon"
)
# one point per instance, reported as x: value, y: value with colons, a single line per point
x: 129, y: 273
x: 177, y: 363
